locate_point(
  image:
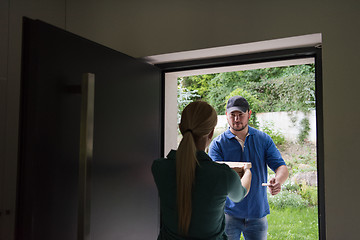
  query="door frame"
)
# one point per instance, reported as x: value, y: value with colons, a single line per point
x: 261, y: 57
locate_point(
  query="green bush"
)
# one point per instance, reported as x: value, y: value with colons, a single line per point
x: 287, y: 199
x: 290, y: 186
x: 304, y: 130
x: 276, y: 136
x: 309, y: 193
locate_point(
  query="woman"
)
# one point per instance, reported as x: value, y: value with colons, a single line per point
x: 193, y: 188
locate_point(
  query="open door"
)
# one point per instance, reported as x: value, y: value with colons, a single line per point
x: 122, y: 198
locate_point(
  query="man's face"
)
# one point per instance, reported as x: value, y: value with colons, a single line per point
x: 237, y: 120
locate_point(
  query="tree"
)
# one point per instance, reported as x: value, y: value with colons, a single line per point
x: 199, y: 83
x: 220, y: 87
x: 288, y: 88
x: 184, y: 97
x: 290, y: 92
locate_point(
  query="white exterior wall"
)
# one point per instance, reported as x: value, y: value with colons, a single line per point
x: 281, y: 121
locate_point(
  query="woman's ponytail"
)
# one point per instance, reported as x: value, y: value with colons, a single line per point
x: 197, y: 120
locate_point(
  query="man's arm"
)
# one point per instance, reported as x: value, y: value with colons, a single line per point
x: 281, y: 174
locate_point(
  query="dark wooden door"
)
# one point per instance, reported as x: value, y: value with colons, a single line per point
x: 127, y: 128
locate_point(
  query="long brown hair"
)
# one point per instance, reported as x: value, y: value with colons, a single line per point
x: 197, y: 120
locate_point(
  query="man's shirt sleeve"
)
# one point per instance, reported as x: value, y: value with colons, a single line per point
x: 273, y: 156
x: 215, y: 151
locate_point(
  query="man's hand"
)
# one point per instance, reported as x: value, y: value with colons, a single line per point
x: 281, y: 174
x: 274, y: 186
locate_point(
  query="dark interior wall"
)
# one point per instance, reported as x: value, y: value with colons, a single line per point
x: 141, y: 28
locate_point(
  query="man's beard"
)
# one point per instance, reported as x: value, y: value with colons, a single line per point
x: 239, y: 130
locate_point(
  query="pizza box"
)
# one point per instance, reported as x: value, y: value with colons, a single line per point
x: 236, y: 164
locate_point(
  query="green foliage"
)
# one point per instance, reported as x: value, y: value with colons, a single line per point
x: 300, y: 195
x: 290, y: 186
x: 213, y: 88
x: 286, y: 199
x: 277, y: 89
x: 258, y: 75
x: 200, y: 83
x: 275, y: 135
x: 286, y: 93
x: 220, y: 87
x: 304, y: 130
x: 184, y: 97
x: 309, y: 193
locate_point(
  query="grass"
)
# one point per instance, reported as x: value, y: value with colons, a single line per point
x: 293, y: 223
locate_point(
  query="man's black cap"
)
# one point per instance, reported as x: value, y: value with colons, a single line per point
x: 237, y: 103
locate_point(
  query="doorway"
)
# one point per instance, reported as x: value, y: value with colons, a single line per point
x: 284, y: 57
x: 283, y: 106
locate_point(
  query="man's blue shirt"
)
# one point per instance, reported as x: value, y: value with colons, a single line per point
x: 260, y: 150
